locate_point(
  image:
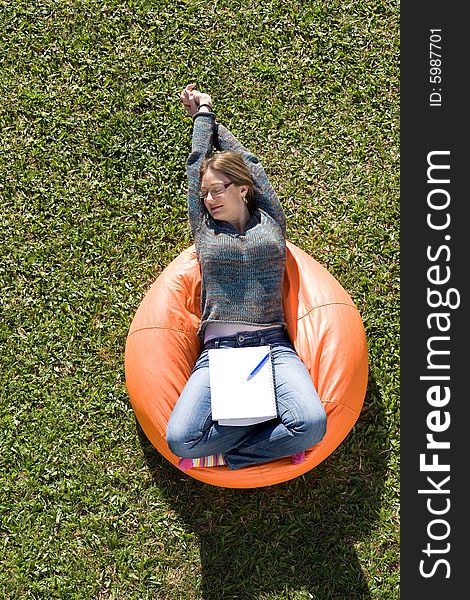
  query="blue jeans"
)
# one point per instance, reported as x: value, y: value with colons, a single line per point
x: 301, y: 421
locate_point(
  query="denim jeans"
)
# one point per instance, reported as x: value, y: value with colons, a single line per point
x: 301, y: 421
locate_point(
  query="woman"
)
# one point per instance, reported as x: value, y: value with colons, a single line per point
x: 239, y: 229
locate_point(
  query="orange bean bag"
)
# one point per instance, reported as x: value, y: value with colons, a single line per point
x: 323, y: 323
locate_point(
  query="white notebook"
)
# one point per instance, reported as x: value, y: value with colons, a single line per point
x: 236, y: 401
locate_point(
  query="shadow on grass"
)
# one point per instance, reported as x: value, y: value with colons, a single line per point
x: 297, y: 538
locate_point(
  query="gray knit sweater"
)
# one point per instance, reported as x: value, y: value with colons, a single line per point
x: 242, y: 273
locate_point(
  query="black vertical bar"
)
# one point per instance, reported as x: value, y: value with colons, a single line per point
x: 434, y: 301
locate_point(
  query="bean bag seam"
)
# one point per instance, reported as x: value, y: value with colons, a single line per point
x: 147, y: 327
x: 345, y: 406
x: 326, y: 304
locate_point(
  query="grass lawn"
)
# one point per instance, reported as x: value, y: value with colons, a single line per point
x: 92, y: 184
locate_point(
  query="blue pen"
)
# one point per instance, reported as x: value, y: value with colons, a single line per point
x: 258, y: 367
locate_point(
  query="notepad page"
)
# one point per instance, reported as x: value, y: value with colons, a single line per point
x: 232, y: 396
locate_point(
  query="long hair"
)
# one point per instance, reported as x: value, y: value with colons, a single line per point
x: 231, y: 164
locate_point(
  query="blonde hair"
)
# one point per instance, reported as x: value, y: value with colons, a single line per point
x: 232, y: 165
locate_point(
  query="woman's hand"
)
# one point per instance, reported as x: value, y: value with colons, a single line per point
x: 188, y: 98
x: 192, y: 99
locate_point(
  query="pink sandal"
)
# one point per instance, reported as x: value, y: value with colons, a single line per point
x: 298, y: 459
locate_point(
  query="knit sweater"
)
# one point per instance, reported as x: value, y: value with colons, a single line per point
x: 242, y: 273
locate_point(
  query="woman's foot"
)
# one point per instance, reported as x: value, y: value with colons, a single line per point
x: 213, y: 460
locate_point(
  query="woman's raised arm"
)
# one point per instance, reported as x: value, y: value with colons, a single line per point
x: 198, y: 106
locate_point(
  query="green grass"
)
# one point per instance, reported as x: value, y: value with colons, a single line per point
x: 92, y: 182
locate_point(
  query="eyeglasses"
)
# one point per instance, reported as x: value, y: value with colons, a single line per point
x: 215, y: 191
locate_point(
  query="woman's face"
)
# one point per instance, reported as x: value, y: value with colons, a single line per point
x: 223, y: 199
